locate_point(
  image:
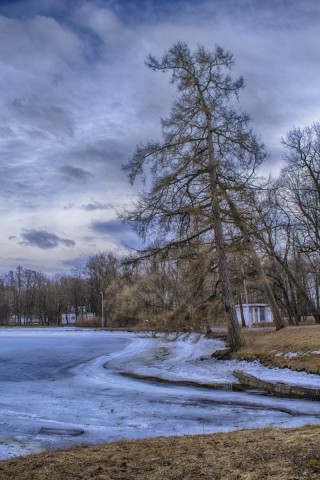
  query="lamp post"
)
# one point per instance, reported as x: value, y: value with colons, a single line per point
x: 102, y: 310
x: 248, y: 310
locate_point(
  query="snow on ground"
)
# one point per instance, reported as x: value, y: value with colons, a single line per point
x: 185, y: 358
x: 297, y: 354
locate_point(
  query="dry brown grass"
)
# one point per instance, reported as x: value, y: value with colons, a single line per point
x: 88, y: 322
x: 277, y: 454
x: 266, y: 345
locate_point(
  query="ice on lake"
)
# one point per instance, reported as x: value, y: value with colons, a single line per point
x: 61, y: 387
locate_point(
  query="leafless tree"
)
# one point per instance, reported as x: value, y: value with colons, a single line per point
x: 206, y: 143
x: 300, y: 181
x: 100, y: 270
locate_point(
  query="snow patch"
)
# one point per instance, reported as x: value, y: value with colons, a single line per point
x: 297, y: 354
x: 292, y: 355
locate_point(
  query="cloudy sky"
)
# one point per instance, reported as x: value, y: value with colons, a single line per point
x: 76, y: 99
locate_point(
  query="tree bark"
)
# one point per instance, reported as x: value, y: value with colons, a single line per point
x: 235, y: 337
x: 243, y: 321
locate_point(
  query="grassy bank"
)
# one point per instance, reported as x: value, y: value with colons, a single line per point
x: 278, y: 454
x: 292, y: 347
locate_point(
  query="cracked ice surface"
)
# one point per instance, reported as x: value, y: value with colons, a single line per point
x: 61, y: 387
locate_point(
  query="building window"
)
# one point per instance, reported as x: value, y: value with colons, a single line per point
x: 262, y: 314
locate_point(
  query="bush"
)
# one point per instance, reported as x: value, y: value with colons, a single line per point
x: 88, y: 322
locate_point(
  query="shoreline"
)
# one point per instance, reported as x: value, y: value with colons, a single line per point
x: 246, y: 383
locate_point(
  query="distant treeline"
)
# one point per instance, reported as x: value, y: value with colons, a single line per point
x: 156, y: 292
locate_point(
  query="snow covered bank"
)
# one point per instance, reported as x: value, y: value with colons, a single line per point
x: 187, y: 358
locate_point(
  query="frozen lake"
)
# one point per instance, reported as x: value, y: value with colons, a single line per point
x: 55, y: 392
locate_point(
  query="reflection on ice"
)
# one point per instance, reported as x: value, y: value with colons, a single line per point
x: 89, y: 402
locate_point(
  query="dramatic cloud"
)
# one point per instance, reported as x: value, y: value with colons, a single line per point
x: 115, y: 229
x: 96, y: 206
x: 44, y: 240
x: 75, y: 174
x: 111, y: 227
x: 90, y: 207
x: 77, y: 98
x: 42, y: 117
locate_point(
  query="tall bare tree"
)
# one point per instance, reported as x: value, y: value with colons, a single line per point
x: 205, y: 143
x: 300, y: 182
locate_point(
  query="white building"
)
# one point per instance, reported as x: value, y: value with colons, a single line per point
x: 71, y: 319
x: 68, y: 318
x: 255, y: 313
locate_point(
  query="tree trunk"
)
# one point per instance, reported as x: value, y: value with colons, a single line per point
x: 243, y: 322
x: 235, y: 337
